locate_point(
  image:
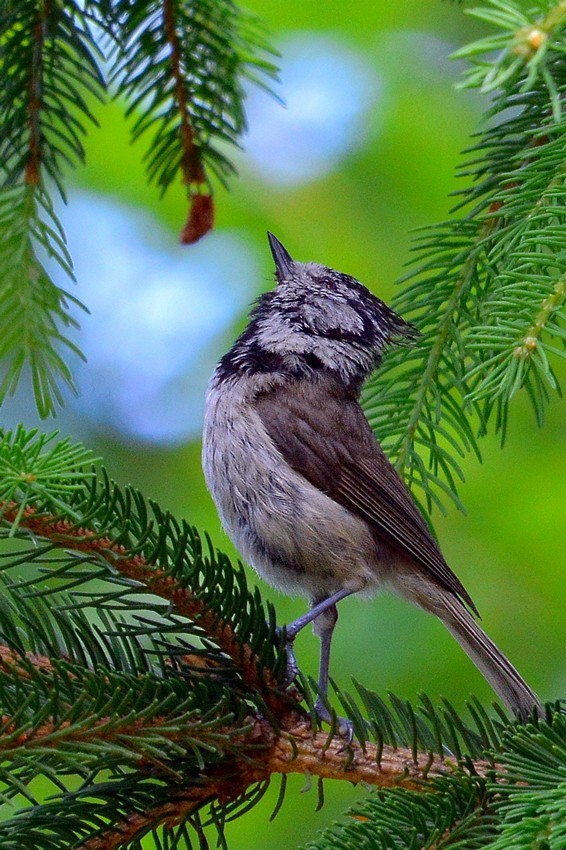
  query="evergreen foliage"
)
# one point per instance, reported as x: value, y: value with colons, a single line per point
x: 488, y: 288
x: 532, y: 805
x: 145, y: 683
x: 180, y: 68
x: 211, y: 57
x: 458, y: 815
x: 523, y: 812
x: 34, y: 310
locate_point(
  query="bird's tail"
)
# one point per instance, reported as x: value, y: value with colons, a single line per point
x: 490, y: 661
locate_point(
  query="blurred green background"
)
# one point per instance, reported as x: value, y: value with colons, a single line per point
x: 365, y: 150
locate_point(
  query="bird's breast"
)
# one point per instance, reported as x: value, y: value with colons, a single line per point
x: 295, y: 536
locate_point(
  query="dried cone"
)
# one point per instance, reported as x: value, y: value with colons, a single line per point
x: 200, y: 219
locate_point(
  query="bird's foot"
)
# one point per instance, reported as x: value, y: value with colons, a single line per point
x: 292, y: 665
x: 345, y: 727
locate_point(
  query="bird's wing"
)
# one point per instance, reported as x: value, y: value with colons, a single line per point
x: 323, y: 434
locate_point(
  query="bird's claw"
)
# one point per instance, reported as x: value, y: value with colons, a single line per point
x: 292, y: 665
x: 345, y: 726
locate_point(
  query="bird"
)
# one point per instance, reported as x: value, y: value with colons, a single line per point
x: 300, y: 481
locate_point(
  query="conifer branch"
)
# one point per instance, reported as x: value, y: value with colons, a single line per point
x: 33, y: 163
x: 548, y: 307
x: 108, y: 734
x: 181, y: 67
x: 253, y: 752
x: 163, y: 732
x: 34, y: 310
x: 300, y: 750
x: 427, y: 392
x: 11, y: 661
x: 201, y: 213
x: 488, y: 293
x: 184, y: 65
x: 191, y: 163
x: 297, y: 751
x: 49, y: 71
x: 135, y: 567
x: 136, y: 824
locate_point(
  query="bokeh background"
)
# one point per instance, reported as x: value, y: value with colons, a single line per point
x: 364, y: 150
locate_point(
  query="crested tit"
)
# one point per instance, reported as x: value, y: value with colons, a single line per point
x: 301, y: 484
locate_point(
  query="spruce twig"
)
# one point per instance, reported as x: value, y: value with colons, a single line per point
x: 488, y: 288
x: 180, y: 68
x: 66, y: 534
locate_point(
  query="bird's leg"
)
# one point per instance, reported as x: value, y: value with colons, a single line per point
x: 324, y: 628
x: 325, y: 614
x: 293, y: 629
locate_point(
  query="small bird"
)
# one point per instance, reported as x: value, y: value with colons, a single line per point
x: 302, y: 485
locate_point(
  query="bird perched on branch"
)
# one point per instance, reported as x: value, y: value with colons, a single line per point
x: 301, y: 484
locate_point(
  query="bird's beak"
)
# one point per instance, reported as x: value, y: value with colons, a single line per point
x: 283, y: 261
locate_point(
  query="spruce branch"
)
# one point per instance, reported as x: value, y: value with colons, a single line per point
x: 532, y: 805
x: 488, y: 290
x: 519, y: 805
x: 50, y: 70
x: 298, y: 752
x: 33, y: 163
x: 136, y: 825
x: 135, y: 568
x: 459, y: 814
x: 12, y: 661
x: 201, y: 214
x: 160, y: 686
x: 119, y: 540
x: 35, y: 312
x: 49, y: 73
x: 181, y: 68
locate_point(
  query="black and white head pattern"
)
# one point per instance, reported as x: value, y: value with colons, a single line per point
x: 315, y: 318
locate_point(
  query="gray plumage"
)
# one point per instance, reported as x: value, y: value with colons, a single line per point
x: 300, y: 482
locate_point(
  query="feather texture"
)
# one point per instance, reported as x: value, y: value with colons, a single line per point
x: 329, y: 441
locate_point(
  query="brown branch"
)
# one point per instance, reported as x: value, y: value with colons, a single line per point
x: 138, y: 824
x: 10, y: 660
x: 191, y: 163
x: 33, y: 164
x: 298, y: 750
x: 64, y: 533
x: 254, y: 756
x: 103, y: 730
x: 201, y: 210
